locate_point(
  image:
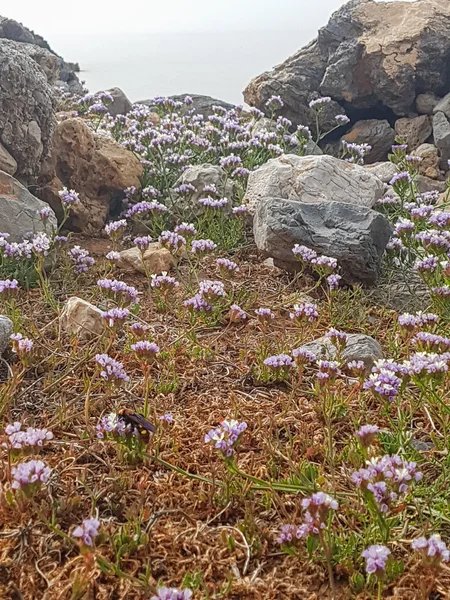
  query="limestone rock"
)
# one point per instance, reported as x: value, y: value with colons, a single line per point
x: 378, y: 134
x: 156, y: 259
x: 6, y: 330
x: 414, y: 131
x: 120, y: 104
x: 19, y: 210
x: 356, y: 236
x: 369, y: 55
x: 313, y: 179
x: 7, y: 162
x: 26, y: 110
x: 429, y: 167
x: 81, y: 318
x: 359, y: 347
x: 425, y: 103
x: 94, y: 165
x: 383, y: 170
x: 441, y: 134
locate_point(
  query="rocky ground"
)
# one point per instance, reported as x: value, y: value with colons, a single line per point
x: 224, y: 331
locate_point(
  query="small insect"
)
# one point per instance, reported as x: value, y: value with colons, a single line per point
x: 138, y: 422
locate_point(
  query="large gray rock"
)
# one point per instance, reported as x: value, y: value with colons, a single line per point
x: 313, y: 179
x: 6, y: 330
x: 359, y: 347
x: 369, y: 55
x: 414, y: 131
x: 376, y: 133
x: 120, y: 104
x: 27, y: 118
x: 354, y: 235
x: 19, y: 210
x: 441, y: 135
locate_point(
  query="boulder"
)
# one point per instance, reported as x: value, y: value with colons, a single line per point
x: 27, y: 119
x: 156, y: 259
x: 383, y: 170
x: 441, y: 135
x: 429, y: 167
x: 7, y: 162
x: 425, y: 184
x: 370, y: 55
x: 200, y: 104
x: 414, y: 131
x: 19, y: 210
x: 356, y: 236
x: 55, y: 68
x: 48, y: 62
x: 378, y: 134
x: 313, y: 179
x: 425, y: 103
x: 200, y: 176
x: 81, y: 318
x: 6, y: 330
x: 443, y: 106
x: 120, y: 104
x: 359, y: 347
x: 95, y: 166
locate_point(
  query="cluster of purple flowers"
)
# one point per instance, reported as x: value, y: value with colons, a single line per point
x: 141, y: 209
x: 112, y: 370
x: 376, y: 559
x: 8, y: 286
x: 142, y: 242
x: 87, y: 531
x: 384, y: 380
x: 316, y: 511
x: 411, y: 322
x: 165, y: 593
x: 367, y: 434
x: 212, y: 203
x: 323, y: 264
x: 319, y: 102
x: 306, y: 311
x: 163, y: 281
x: 171, y: 240
x: 226, y: 437
x: 69, y: 197
x: 431, y: 341
x: 203, y: 246
x: 29, y: 438
x: 186, y: 229
x: 227, y: 265
x: 80, y: 259
x: 21, y: 345
x: 116, y: 316
x: 115, y: 226
x: 433, y: 550
x: 29, y: 474
x: 237, y: 314
x: 279, y: 362
x: 264, y: 314
x: 386, y: 478
x: 145, y: 350
x: 337, y: 338
x: 118, y: 290
x: 357, y: 152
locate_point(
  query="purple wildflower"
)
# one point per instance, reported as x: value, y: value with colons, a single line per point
x: 145, y: 350
x: 367, y: 434
x: 115, y: 226
x: 165, y: 593
x: 376, y: 558
x: 69, y: 197
x: 433, y: 549
x: 113, y: 370
x: 203, y: 246
x: 87, y: 531
x: 29, y: 474
x: 80, y: 259
x: 116, y: 316
x: 306, y: 311
x: 319, y: 102
x: 226, y: 437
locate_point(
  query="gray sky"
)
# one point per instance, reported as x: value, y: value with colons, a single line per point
x: 87, y: 16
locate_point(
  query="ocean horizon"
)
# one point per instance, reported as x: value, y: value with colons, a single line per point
x: 218, y: 64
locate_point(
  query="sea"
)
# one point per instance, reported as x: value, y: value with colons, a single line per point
x: 217, y: 64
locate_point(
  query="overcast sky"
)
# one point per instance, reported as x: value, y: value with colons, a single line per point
x: 47, y: 17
